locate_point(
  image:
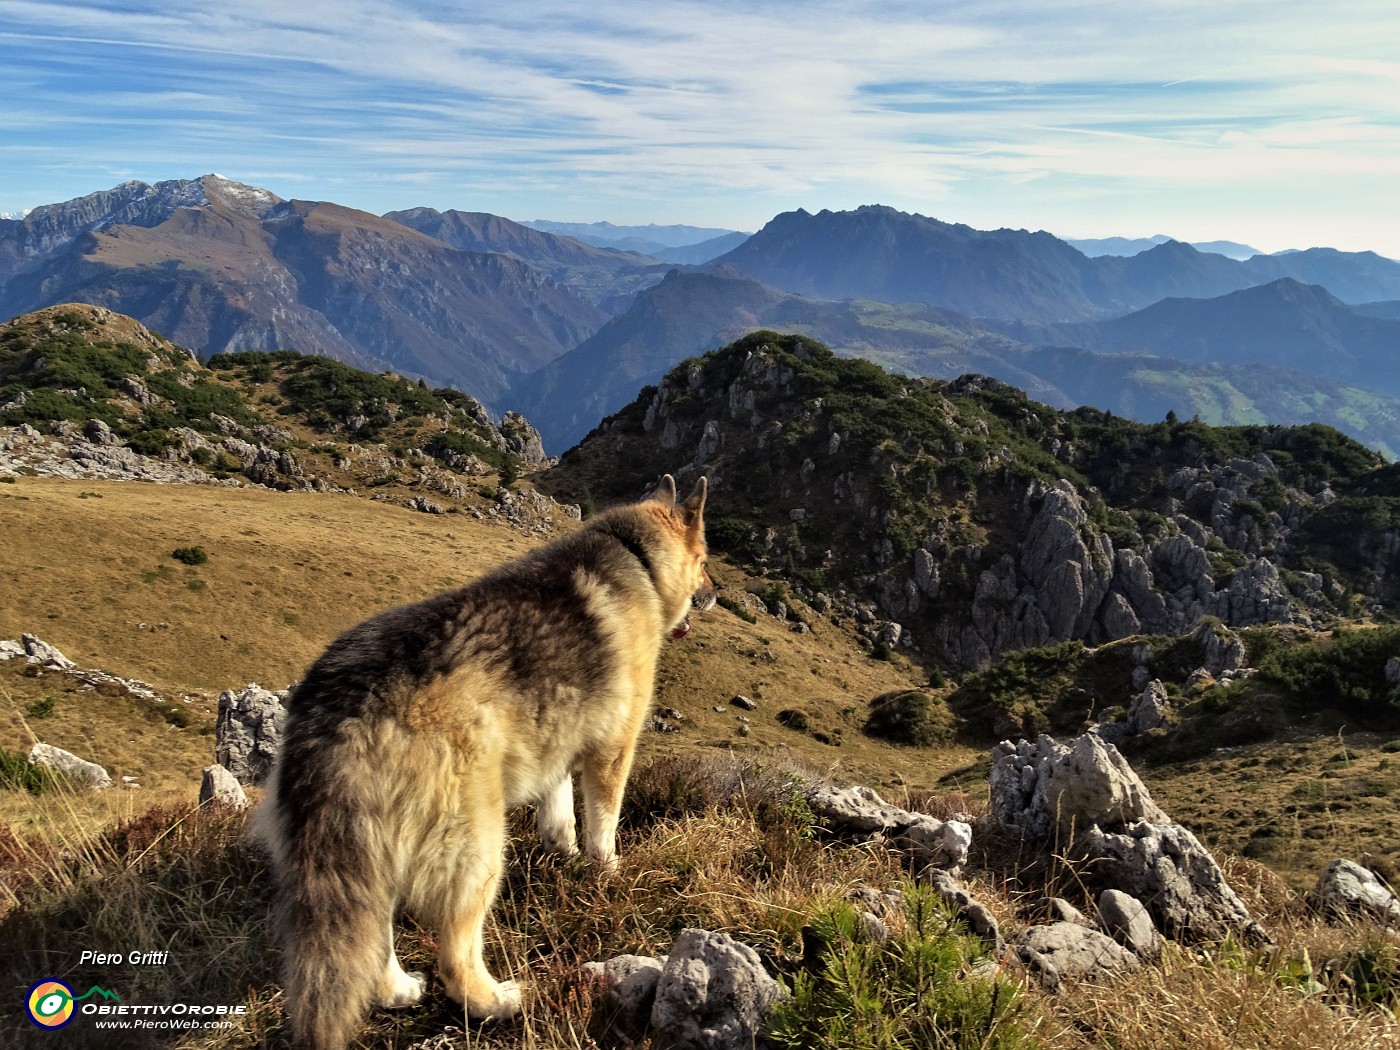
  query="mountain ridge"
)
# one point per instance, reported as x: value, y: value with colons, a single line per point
x: 878, y: 252
x: 690, y: 313
x: 221, y: 266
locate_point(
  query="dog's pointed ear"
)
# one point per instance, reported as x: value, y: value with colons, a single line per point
x: 694, y: 505
x: 665, y: 493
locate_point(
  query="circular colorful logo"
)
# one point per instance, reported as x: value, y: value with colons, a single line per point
x: 50, y: 1004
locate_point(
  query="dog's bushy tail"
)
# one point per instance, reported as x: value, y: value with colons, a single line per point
x: 333, y: 913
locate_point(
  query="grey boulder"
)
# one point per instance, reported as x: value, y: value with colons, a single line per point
x: 249, y: 731
x: 713, y: 994
x: 1065, y: 949
x: 220, y: 787
x: 79, y: 770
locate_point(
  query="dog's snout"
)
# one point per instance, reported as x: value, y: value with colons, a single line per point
x: 704, y: 598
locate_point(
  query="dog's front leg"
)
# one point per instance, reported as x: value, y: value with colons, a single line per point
x: 604, y: 779
x: 555, y: 819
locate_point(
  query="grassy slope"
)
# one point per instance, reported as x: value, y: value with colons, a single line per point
x: 90, y: 564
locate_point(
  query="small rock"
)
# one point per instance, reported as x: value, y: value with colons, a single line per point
x: 426, y: 506
x: 99, y: 433
x: 739, y: 700
x: 977, y: 915
x: 1064, y: 949
x: 1346, y: 890
x: 1151, y: 710
x: 222, y: 787
x: 629, y: 984
x: 1127, y: 921
x: 249, y: 731
x: 936, y: 843
x: 41, y: 652
x: 1062, y: 910
x: 713, y: 994
x: 79, y: 770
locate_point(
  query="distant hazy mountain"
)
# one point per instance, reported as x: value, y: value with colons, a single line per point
x: 876, y: 252
x: 1283, y: 324
x: 216, y: 265
x: 880, y: 253
x: 607, y: 235
x: 1389, y: 310
x: 704, y: 251
x: 605, y: 276
x: 1095, y: 247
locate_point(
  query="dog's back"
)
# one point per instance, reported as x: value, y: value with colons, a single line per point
x: 415, y: 732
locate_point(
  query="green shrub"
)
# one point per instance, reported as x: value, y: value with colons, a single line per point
x: 737, y: 609
x: 916, y: 990
x: 190, y: 555
x: 40, y: 708
x: 1369, y: 975
x: 1024, y: 675
x: 794, y: 719
x: 910, y: 717
x: 18, y: 774
x: 1346, y: 672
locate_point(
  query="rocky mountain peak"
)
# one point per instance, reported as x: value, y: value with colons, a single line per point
x: 976, y: 521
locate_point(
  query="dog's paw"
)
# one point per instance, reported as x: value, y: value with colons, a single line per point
x: 406, y: 990
x: 605, y: 863
x: 560, y: 844
x: 504, y: 1003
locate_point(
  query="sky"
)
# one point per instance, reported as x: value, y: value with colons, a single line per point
x: 1275, y: 123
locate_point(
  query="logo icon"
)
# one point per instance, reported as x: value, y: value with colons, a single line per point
x: 50, y: 1004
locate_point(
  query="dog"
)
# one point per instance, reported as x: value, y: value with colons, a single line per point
x: 415, y: 733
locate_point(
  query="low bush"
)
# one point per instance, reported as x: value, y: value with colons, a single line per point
x: 916, y: 990
x: 18, y: 774
x: 909, y: 716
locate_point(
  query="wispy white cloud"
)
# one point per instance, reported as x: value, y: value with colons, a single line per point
x: 1088, y: 117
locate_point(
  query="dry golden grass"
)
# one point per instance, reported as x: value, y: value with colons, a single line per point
x: 731, y: 852
x: 1294, y: 805
x: 90, y: 571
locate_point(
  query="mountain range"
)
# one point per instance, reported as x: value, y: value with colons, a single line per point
x: 1283, y: 324
x: 1222, y: 374
x: 650, y: 239
x: 523, y: 317
x: 1095, y: 246
x: 875, y: 252
x: 217, y: 265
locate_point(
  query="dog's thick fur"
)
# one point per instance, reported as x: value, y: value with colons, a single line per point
x: 416, y: 732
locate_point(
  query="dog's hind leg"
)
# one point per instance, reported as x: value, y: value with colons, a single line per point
x: 555, y: 819
x: 471, y: 876
x: 398, y: 988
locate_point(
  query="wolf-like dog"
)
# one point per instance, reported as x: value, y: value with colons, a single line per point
x: 416, y: 732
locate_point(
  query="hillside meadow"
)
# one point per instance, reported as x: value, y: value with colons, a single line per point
x: 714, y: 834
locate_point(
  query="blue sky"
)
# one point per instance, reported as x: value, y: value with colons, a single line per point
x: 1273, y: 123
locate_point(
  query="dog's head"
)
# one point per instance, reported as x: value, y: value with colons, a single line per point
x: 688, y: 520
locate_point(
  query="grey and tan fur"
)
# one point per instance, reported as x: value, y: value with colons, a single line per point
x: 416, y: 732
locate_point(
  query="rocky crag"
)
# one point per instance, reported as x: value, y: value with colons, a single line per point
x: 967, y: 519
